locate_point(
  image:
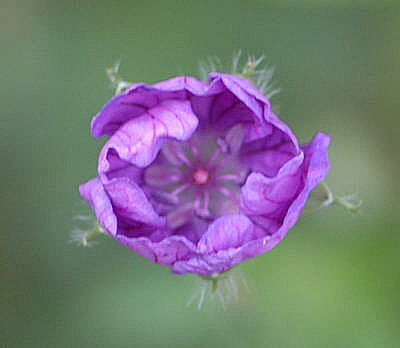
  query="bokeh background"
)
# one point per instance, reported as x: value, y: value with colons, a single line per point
x: 333, y: 282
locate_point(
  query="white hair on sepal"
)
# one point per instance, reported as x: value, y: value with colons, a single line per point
x: 80, y: 237
x: 235, y: 62
x: 257, y: 71
x: 116, y: 80
x: 250, y: 67
x: 86, y: 232
x: 224, y: 289
x: 322, y: 196
x: 209, y: 65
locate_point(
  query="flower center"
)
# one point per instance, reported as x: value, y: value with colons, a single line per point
x: 201, y: 176
x: 195, y: 181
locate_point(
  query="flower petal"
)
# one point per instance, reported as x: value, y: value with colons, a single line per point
x: 181, y: 84
x: 228, y: 100
x: 131, y: 204
x: 218, y: 246
x: 221, y: 261
x: 314, y: 169
x: 139, y: 98
x: 119, y: 168
x: 228, y: 231
x: 166, y: 252
x: 139, y: 140
x: 93, y: 193
x: 261, y: 195
x: 245, y: 92
x: 269, y: 146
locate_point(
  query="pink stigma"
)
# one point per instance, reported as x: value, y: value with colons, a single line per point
x: 201, y: 176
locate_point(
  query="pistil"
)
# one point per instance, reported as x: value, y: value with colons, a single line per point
x: 201, y: 176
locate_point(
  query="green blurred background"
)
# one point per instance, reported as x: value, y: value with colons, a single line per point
x: 334, y: 281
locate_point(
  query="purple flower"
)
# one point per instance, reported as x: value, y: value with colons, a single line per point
x: 200, y: 176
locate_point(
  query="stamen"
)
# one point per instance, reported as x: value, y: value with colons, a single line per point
x: 175, y: 155
x: 235, y: 138
x: 170, y: 155
x: 223, y: 145
x: 232, y: 203
x: 194, y: 149
x: 197, y: 201
x: 180, y: 216
x: 206, y: 200
x: 162, y: 175
x: 214, y: 156
x: 180, y: 154
x: 224, y: 191
x: 165, y: 197
x: 202, y: 211
x: 220, y: 164
x: 180, y: 189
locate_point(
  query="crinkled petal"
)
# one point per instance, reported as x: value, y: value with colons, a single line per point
x: 246, y: 93
x: 139, y: 140
x: 314, y: 169
x: 316, y: 161
x: 229, y: 100
x: 119, y: 168
x: 131, y: 204
x: 214, y: 263
x: 228, y: 231
x: 276, y: 122
x: 121, y: 108
x: 226, y: 110
x: 166, y: 252
x: 261, y: 195
x: 269, y: 146
x: 206, y: 265
x: 93, y: 193
x: 217, y: 246
x: 223, y: 260
x: 182, y: 83
x: 139, y: 98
